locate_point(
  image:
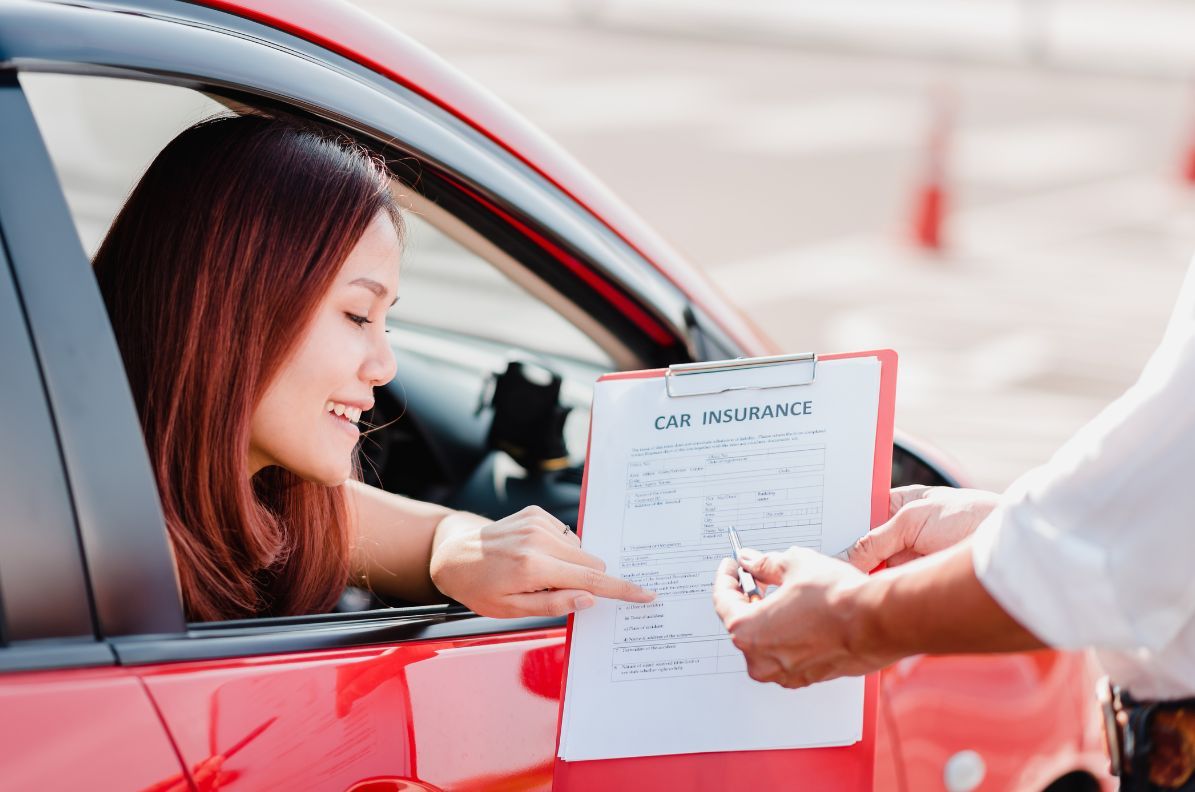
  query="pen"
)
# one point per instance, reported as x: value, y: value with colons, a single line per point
x: 746, y: 582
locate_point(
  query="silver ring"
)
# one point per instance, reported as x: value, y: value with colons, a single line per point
x: 566, y: 529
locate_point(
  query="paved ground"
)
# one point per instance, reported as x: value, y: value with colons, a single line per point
x: 786, y: 170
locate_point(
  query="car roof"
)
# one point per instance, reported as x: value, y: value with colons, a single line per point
x: 351, y: 32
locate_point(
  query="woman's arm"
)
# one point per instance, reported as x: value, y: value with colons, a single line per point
x: 392, y: 542
x: 527, y: 564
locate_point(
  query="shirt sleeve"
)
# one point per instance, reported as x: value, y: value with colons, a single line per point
x: 1097, y: 547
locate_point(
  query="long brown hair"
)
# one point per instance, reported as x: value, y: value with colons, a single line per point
x: 211, y: 272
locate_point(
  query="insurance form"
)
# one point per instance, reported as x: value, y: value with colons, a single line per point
x: 667, y: 476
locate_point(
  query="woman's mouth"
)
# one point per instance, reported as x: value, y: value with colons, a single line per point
x: 345, y: 416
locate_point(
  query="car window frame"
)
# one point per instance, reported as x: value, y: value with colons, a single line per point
x: 488, y: 179
x: 46, y: 620
x: 111, y: 485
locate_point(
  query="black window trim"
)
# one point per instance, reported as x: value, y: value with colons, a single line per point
x: 258, y: 637
x: 46, y: 619
x: 52, y: 654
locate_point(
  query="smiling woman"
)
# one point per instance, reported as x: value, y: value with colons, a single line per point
x: 247, y: 279
x: 204, y: 275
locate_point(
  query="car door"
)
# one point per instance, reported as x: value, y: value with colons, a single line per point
x: 70, y: 718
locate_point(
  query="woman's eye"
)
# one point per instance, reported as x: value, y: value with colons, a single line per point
x: 360, y: 321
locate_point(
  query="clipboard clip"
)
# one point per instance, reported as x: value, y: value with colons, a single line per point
x: 755, y: 373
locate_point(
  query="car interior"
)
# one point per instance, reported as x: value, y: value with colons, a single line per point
x: 497, y: 355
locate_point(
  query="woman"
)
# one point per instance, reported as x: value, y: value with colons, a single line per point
x: 247, y: 280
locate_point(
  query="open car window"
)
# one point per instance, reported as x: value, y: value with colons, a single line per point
x: 467, y: 309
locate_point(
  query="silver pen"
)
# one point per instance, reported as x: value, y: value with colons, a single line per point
x: 746, y: 581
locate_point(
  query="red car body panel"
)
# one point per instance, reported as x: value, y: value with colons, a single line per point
x: 83, y: 729
x: 1018, y: 711
x: 468, y: 714
x: 351, y: 32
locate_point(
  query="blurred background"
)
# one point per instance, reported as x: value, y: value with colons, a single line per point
x: 1001, y: 190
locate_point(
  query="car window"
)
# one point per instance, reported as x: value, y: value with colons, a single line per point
x: 466, y: 306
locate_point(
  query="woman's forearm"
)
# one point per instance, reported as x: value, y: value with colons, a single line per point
x: 394, y: 538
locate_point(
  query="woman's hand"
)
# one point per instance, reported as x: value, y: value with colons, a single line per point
x: 527, y: 564
x: 922, y: 520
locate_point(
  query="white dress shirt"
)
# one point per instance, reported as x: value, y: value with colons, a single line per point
x: 1097, y: 547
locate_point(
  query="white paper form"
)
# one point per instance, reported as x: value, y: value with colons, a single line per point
x: 666, y: 478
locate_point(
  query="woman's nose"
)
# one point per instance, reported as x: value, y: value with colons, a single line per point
x: 380, y: 366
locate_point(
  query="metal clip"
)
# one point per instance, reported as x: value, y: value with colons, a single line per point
x: 678, y: 385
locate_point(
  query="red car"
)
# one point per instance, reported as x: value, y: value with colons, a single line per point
x: 517, y: 254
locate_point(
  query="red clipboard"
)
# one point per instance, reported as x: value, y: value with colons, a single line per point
x: 844, y: 768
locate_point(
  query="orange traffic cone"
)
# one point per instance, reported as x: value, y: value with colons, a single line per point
x: 1189, y: 165
x: 927, y: 221
x: 930, y: 200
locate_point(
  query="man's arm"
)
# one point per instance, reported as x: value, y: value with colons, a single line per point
x: 935, y: 605
x: 825, y: 619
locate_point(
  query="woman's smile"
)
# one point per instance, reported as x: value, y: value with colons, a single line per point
x: 346, y: 416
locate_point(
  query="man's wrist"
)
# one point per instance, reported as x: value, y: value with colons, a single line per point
x: 864, y: 628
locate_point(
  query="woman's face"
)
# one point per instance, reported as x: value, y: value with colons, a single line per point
x: 307, y: 420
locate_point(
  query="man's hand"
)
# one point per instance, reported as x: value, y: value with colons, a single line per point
x: 798, y: 634
x: 527, y: 564
x: 922, y: 520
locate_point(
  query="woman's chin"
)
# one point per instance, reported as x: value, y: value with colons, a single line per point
x: 327, y: 476
x: 337, y: 479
